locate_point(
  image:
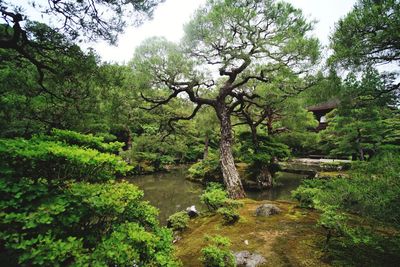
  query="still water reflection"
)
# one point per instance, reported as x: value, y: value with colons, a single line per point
x: 171, y: 192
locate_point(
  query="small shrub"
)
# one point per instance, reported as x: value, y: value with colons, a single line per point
x: 208, y: 170
x: 178, y: 220
x: 230, y: 214
x: 307, y: 192
x: 216, y: 199
x: 217, y: 254
x: 214, y: 196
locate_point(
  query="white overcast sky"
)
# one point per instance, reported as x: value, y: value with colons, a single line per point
x: 170, y: 16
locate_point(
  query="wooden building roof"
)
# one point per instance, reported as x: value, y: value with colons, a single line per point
x: 329, y: 105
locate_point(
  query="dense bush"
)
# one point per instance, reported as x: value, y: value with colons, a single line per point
x: 229, y: 214
x: 214, y: 196
x: 38, y: 158
x: 356, y: 209
x: 150, y: 153
x: 85, y: 140
x: 307, y: 193
x: 207, y: 170
x: 217, y: 254
x: 178, y: 220
x: 216, y: 199
x: 53, y: 211
x: 146, y: 162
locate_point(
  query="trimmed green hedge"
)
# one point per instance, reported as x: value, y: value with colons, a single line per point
x: 61, y: 206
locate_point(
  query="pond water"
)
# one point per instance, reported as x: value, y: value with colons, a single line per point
x: 171, y: 192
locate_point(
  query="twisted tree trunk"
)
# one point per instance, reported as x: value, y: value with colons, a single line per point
x: 231, y: 176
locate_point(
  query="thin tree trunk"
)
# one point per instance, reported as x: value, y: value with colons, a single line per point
x: 128, y: 144
x: 254, y: 137
x: 358, y: 141
x: 206, y: 143
x: 231, y: 176
x: 269, y: 125
x: 361, y: 152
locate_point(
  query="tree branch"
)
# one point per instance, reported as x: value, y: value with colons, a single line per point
x: 160, y: 102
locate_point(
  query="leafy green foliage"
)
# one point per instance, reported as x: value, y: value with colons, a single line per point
x: 131, y: 244
x: 208, y: 169
x: 306, y: 194
x: 149, y: 152
x: 216, y: 199
x: 217, y: 254
x: 229, y: 214
x: 369, y: 192
x: 178, y: 220
x: 67, y: 95
x: 355, y: 209
x: 297, y: 123
x: 368, y: 34
x: 269, y: 150
x: 36, y: 158
x: 147, y: 162
x: 53, y: 211
x: 363, y: 120
x: 214, y: 196
x: 85, y: 140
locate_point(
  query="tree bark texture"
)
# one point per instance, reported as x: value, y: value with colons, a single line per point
x: 230, y: 174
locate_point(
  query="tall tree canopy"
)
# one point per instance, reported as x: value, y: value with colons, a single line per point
x: 227, y: 45
x: 84, y: 19
x: 366, y: 38
x: 369, y: 33
x: 71, y: 20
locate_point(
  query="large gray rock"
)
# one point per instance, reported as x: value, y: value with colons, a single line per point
x: 247, y: 259
x: 266, y: 210
x: 192, y: 211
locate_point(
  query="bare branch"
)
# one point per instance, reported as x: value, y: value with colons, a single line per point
x: 191, y: 116
x: 160, y: 102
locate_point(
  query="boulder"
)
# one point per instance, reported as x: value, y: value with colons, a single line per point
x: 266, y: 210
x: 247, y: 259
x: 192, y: 212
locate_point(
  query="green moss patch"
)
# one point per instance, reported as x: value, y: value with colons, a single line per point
x: 287, y: 239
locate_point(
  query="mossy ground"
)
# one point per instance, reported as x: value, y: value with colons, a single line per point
x: 287, y: 239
